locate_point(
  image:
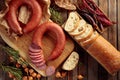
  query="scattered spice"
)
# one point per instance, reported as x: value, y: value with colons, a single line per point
x: 38, y: 76
x: 58, y: 75
x: 80, y: 77
x: 10, y: 75
x: 30, y: 78
x: 18, y: 65
x: 25, y: 78
x: 26, y: 70
x: 63, y: 74
x: 31, y: 71
x: 34, y: 74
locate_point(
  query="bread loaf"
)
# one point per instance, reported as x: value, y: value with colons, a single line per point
x: 72, y: 22
x: 99, y: 48
x: 71, y: 62
x: 105, y: 54
x: 86, y: 43
x: 81, y: 27
x: 88, y: 32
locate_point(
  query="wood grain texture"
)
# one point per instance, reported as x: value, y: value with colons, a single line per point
x: 112, y: 32
x: 93, y: 64
x: 22, y: 44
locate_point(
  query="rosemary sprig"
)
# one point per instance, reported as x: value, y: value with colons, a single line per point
x: 56, y: 16
x: 13, y: 53
x: 14, y: 71
x: 10, y: 52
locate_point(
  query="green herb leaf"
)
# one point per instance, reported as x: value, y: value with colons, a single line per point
x: 14, y: 71
x: 56, y: 16
x: 13, y: 53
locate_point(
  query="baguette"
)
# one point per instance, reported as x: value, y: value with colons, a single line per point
x: 100, y: 49
x: 72, y: 22
x: 85, y: 44
x: 81, y: 27
x: 88, y: 32
x: 71, y: 61
x: 105, y: 54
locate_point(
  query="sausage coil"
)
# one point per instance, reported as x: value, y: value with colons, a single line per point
x: 35, y: 49
x: 34, y: 20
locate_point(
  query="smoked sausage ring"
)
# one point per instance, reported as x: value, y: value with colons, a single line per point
x: 34, y: 20
x: 35, y: 49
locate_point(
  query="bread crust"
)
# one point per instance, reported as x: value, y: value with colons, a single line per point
x: 80, y: 28
x: 100, y: 49
x: 85, y: 44
x: 71, y: 61
x: 72, y: 22
x: 85, y: 35
x: 106, y: 54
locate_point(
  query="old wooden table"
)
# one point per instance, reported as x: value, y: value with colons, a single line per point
x: 90, y: 68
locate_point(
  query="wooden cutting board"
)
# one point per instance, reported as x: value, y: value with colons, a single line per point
x: 23, y: 42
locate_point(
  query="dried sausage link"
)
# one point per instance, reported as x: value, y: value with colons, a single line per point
x: 34, y: 20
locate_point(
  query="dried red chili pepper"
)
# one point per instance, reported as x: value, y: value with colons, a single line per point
x: 90, y: 11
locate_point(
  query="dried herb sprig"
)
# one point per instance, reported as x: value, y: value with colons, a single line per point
x: 13, y: 53
x: 56, y: 16
x: 14, y: 71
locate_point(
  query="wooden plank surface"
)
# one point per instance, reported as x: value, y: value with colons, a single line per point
x: 90, y: 68
x: 48, y: 43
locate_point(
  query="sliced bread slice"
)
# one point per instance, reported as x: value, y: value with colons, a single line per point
x: 80, y: 28
x: 71, y: 61
x: 85, y: 44
x: 71, y: 22
x: 88, y: 32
